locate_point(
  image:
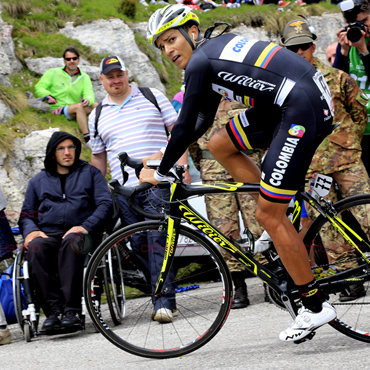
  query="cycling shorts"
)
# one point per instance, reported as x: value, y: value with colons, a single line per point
x: 292, y: 133
x: 62, y: 110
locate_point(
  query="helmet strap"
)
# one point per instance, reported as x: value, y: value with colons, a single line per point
x: 188, y: 39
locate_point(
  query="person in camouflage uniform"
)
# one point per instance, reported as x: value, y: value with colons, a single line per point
x: 223, y: 209
x: 339, y: 155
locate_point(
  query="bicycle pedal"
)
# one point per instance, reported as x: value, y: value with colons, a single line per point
x: 305, y: 339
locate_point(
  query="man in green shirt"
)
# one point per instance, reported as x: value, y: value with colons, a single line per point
x: 69, y: 91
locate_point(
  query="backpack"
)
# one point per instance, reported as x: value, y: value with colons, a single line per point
x: 144, y: 90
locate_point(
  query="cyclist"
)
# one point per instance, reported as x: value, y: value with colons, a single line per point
x: 291, y: 114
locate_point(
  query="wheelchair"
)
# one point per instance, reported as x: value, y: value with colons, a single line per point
x: 108, y: 284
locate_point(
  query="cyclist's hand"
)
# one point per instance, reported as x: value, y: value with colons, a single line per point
x: 33, y: 235
x: 147, y: 175
x: 152, y: 157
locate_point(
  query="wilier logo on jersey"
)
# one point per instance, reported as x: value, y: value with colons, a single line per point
x: 284, y: 158
x: 297, y: 130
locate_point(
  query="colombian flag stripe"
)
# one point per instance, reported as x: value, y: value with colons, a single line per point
x: 276, y: 193
x: 267, y: 54
x: 248, y: 101
x: 239, y: 134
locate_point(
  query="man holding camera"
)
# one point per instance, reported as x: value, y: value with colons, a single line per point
x: 353, y: 55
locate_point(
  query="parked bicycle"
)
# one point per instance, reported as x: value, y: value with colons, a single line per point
x: 203, y: 285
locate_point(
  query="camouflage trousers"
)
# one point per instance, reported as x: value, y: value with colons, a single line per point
x: 352, y: 181
x: 223, y: 212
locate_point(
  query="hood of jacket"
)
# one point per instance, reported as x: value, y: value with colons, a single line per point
x: 56, y: 138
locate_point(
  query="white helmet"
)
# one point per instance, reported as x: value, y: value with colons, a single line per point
x: 171, y: 16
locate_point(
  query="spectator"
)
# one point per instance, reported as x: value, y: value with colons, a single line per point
x: 7, y: 246
x: 63, y: 216
x: 178, y: 99
x: 330, y: 52
x: 223, y: 210
x: 196, y: 4
x: 130, y: 122
x: 353, y: 57
x: 69, y: 91
x: 339, y: 155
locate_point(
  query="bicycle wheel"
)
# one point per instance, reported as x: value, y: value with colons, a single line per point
x: 354, y: 212
x: 203, y: 297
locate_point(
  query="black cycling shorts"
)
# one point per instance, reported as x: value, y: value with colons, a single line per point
x: 292, y: 133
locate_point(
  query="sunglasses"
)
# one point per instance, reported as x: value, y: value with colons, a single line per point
x: 69, y: 59
x: 295, y: 48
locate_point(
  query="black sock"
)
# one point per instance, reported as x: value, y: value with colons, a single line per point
x: 2, y: 327
x: 312, y: 297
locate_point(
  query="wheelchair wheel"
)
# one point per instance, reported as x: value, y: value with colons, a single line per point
x: 114, y: 285
x: 17, y: 288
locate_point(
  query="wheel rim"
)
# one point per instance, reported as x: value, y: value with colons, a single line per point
x: 202, y: 306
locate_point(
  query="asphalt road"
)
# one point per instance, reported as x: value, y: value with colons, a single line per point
x: 248, y: 340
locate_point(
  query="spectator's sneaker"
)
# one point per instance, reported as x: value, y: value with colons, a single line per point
x: 52, y: 322
x: 283, y: 3
x: 70, y: 319
x: 352, y: 293
x: 87, y: 141
x: 300, y: 2
x: 4, y: 336
x: 263, y: 243
x: 164, y: 315
x: 307, y: 321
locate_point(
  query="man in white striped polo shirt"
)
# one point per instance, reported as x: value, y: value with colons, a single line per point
x: 130, y: 122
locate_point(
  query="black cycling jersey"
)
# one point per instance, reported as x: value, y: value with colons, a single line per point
x: 283, y: 88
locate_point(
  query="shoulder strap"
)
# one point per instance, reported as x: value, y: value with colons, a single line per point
x: 97, y: 115
x: 150, y: 96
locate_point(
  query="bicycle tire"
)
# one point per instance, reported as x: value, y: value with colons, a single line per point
x: 352, y: 316
x: 202, y: 310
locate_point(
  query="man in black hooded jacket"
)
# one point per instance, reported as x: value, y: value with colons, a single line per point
x: 64, y: 211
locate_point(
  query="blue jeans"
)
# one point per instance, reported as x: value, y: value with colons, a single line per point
x: 7, y: 242
x: 150, y: 248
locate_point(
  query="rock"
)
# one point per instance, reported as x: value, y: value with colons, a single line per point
x: 24, y: 162
x: 114, y: 37
x: 5, y: 112
x: 8, y: 61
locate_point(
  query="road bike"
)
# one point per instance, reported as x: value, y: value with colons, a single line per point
x: 203, y: 282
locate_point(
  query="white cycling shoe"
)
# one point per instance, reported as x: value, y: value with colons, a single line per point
x: 307, y: 321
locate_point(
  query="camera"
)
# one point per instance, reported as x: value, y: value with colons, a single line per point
x: 354, y: 31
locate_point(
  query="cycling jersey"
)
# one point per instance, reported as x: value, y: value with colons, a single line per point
x: 291, y: 114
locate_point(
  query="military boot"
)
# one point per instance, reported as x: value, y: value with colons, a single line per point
x: 240, y: 299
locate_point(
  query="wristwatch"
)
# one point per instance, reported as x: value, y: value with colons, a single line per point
x: 363, y: 54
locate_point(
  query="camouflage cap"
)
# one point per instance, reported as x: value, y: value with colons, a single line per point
x: 297, y: 32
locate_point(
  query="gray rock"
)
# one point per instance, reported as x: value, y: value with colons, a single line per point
x: 5, y: 112
x: 113, y: 36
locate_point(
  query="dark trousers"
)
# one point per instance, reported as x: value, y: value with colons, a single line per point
x: 56, y: 271
x: 7, y: 242
x: 150, y: 248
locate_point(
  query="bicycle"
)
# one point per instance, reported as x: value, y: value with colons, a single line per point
x: 202, y: 309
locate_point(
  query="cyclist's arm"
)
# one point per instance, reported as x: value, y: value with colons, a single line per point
x: 197, y: 114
